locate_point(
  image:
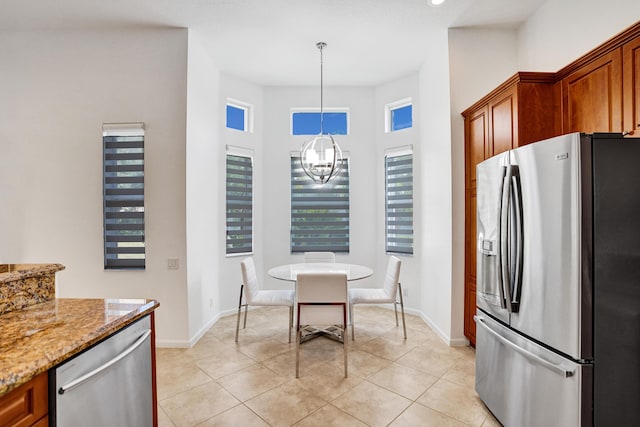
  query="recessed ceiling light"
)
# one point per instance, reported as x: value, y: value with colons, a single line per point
x: 435, y: 3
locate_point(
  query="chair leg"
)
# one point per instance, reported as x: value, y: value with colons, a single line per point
x: 290, y: 322
x: 404, y: 324
x: 345, y: 341
x: 239, y: 311
x: 246, y: 308
x: 353, y: 334
x: 395, y: 309
x: 298, y: 335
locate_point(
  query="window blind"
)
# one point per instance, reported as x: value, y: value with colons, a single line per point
x: 123, y: 196
x: 319, y: 213
x: 239, y: 204
x: 399, y: 203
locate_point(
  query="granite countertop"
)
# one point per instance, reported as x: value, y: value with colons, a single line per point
x: 41, y: 336
x: 13, y: 272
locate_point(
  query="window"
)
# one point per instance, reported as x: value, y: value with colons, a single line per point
x: 319, y: 213
x: 399, y: 203
x: 399, y: 115
x: 239, y: 201
x: 308, y: 123
x: 239, y: 115
x: 123, y: 189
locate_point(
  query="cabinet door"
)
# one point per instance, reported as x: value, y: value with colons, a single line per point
x: 503, y: 131
x: 476, y: 139
x: 592, y: 96
x: 631, y: 87
x: 26, y: 404
x: 470, y: 266
x: 476, y: 150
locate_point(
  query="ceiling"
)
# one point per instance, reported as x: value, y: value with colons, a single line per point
x: 272, y: 42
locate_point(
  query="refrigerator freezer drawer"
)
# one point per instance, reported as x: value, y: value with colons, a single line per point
x: 524, y: 384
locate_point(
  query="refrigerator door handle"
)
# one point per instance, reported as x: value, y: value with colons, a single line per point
x: 503, y: 230
x: 517, y: 201
x: 566, y: 373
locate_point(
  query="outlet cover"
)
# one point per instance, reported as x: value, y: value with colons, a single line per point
x: 173, y: 263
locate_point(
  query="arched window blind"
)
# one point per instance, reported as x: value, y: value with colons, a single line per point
x: 399, y: 203
x: 319, y: 213
x: 123, y: 201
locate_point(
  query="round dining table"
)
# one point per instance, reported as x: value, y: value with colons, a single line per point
x: 290, y: 272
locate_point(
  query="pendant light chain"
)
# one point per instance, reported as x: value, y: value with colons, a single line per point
x: 321, y: 45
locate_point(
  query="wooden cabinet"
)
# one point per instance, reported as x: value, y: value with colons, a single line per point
x: 27, y: 405
x: 631, y: 87
x: 599, y: 92
x: 592, y: 96
x: 518, y: 112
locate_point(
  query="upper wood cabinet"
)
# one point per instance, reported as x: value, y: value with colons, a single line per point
x: 631, y: 87
x: 516, y: 113
x: 592, y: 96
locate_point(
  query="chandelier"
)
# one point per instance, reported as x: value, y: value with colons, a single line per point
x: 320, y: 155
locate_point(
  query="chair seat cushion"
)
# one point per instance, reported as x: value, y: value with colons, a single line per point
x: 272, y: 297
x: 368, y: 296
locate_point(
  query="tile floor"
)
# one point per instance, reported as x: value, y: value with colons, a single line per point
x: 392, y: 382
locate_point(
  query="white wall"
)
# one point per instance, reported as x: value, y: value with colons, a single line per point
x: 229, y: 277
x: 205, y: 116
x: 58, y: 88
x: 479, y: 61
x: 213, y: 278
x: 360, y: 144
x: 563, y: 30
x: 435, y: 191
x: 410, y: 271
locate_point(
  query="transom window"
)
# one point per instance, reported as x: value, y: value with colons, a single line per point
x: 399, y: 115
x: 319, y: 213
x: 308, y: 122
x: 239, y: 115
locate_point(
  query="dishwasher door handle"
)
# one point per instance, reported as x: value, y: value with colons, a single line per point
x: 72, y: 384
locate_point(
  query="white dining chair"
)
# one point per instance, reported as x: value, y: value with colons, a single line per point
x: 319, y: 257
x: 322, y: 302
x: 255, y: 296
x: 390, y: 293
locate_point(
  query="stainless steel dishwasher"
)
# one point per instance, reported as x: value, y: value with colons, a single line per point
x: 106, y: 385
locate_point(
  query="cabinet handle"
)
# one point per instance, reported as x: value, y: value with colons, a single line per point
x: 628, y: 132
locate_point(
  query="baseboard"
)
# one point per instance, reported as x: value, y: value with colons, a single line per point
x: 172, y: 344
x: 458, y: 342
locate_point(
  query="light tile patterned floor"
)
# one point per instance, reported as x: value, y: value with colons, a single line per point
x: 392, y: 382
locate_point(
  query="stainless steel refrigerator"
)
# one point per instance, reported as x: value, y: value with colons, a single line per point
x: 558, y: 282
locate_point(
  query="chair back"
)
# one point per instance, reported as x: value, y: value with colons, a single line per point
x: 319, y: 257
x: 392, y: 277
x: 322, y: 298
x: 249, y: 278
